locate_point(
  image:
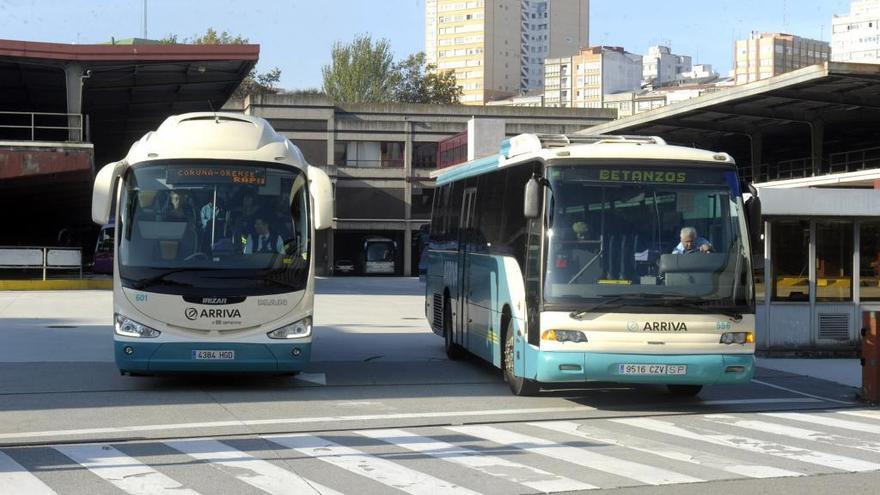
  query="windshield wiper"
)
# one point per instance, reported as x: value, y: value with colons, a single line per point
x: 162, y: 277
x: 614, y: 301
x: 705, y: 306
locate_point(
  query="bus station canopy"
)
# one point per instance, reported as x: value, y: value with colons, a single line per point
x: 813, y: 121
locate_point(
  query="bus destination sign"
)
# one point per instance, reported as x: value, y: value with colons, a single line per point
x: 251, y: 176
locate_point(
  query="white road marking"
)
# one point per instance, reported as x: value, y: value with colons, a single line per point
x: 733, y: 402
x: 14, y: 478
x: 864, y: 414
x: 796, y: 432
x: 581, y: 456
x: 386, y: 472
x: 256, y: 472
x: 753, y: 445
x: 826, y: 399
x: 126, y: 473
x: 827, y: 420
x: 662, y: 449
x: 287, y: 421
x: 529, y: 476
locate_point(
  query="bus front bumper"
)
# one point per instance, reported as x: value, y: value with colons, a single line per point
x: 702, y: 369
x: 154, y: 357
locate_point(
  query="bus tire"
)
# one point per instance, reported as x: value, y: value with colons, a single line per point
x: 684, y: 390
x: 518, y: 385
x: 453, y: 350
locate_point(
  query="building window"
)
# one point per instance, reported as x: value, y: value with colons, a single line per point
x: 869, y: 261
x: 790, y: 256
x: 834, y: 260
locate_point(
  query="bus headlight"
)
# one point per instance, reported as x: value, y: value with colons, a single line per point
x: 299, y: 329
x: 737, y: 338
x: 127, y: 327
x: 564, y: 335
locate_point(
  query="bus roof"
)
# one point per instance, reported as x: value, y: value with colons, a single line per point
x: 527, y: 147
x: 217, y: 135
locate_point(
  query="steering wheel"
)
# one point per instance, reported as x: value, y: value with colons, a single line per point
x: 198, y: 255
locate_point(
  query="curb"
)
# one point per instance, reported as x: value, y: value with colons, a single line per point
x: 72, y: 284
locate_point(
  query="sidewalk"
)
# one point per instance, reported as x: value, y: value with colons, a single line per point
x: 844, y: 371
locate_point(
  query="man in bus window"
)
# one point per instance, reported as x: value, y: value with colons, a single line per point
x: 263, y: 240
x: 691, y: 242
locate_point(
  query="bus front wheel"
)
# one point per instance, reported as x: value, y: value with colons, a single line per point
x: 453, y: 350
x: 518, y: 385
x: 684, y: 390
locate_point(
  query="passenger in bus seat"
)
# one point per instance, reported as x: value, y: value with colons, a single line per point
x: 691, y: 242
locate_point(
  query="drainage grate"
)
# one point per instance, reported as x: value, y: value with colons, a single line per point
x: 833, y: 326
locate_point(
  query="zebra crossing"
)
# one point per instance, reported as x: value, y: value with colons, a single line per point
x: 518, y: 457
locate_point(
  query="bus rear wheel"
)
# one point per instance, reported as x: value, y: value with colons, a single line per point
x: 518, y: 385
x: 684, y: 390
x: 453, y: 350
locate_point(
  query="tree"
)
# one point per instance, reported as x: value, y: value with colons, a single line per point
x: 360, y: 72
x: 254, y: 82
x: 420, y: 82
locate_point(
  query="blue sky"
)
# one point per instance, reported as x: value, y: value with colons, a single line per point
x: 296, y: 35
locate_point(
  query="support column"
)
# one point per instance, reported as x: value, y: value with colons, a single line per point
x: 817, y: 140
x: 73, y: 73
x: 757, y: 140
x: 331, y: 140
x: 407, y: 198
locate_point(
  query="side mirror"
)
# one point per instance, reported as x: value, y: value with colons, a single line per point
x: 103, y: 191
x: 321, y: 191
x: 753, y: 216
x: 532, y: 201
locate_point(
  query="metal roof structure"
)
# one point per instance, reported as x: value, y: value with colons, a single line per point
x: 809, y: 122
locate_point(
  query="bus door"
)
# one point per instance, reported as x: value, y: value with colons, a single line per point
x: 466, y: 234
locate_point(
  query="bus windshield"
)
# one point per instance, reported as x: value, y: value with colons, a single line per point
x: 645, y: 235
x: 235, y: 228
x: 380, y: 251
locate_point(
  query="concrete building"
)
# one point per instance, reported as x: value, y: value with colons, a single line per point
x: 766, y: 55
x: 380, y: 158
x: 661, y: 67
x: 855, y: 37
x: 583, y: 80
x: 700, y: 73
x: 497, y: 47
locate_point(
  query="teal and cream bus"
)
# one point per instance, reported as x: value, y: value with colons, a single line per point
x: 556, y: 260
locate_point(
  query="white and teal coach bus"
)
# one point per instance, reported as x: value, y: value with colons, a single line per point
x: 214, y: 255
x: 555, y: 261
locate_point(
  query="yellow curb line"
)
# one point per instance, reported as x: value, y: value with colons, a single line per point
x: 73, y: 284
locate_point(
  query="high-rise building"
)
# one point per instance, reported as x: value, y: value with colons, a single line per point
x: 856, y: 37
x: 766, y: 55
x: 583, y: 80
x: 497, y: 47
x: 662, y: 67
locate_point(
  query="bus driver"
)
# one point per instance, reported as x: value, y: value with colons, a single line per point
x: 691, y: 242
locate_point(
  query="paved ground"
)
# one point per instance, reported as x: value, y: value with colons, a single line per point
x: 383, y: 411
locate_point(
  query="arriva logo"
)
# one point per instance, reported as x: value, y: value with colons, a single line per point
x: 193, y: 313
x: 632, y: 326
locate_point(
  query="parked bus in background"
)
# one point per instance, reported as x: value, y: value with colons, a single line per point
x: 554, y: 261
x: 379, y: 255
x: 214, y: 252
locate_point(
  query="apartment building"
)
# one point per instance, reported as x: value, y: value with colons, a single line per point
x: 583, y: 80
x: 497, y: 47
x: 766, y: 55
x: 661, y: 67
x: 855, y: 37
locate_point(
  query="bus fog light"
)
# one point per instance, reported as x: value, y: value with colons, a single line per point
x: 296, y: 352
x: 299, y: 329
x: 128, y: 350
x: 737, y: 338
x: 127, y: 327
x: 564, y: 336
